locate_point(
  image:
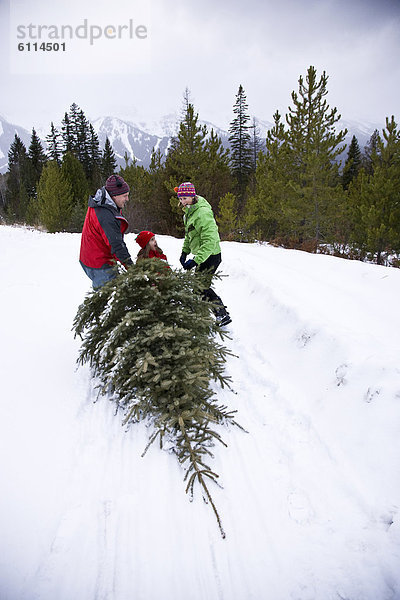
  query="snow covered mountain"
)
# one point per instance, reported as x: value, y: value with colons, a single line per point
x: 127, y: 138
x: 310, y: 498
x: 137, y: 140
x: 362, y: 131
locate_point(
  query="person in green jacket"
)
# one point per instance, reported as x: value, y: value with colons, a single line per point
x: 201, y: 240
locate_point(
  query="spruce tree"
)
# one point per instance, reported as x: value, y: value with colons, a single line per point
x: 83, y: 143
x: 17, y: 152
x: 74, y: 127
x: 55, y: 200
x: 94, y: 172
x: 18, y: 181
x: 80, y: 138
x: 240, y: 142
x: 74, y: 116
x: 67, y: 134
x: 108, y: 160
x: 54, y: 142
x: 353, y: 163
x: 37, y: 159
x: 152, y: 344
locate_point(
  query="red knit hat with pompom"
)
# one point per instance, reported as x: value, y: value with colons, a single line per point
x: 144, y: 237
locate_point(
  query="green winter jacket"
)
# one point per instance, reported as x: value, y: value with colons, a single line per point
x: 201, y: 231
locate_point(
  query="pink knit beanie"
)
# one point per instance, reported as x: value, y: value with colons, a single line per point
x: 185, y: 189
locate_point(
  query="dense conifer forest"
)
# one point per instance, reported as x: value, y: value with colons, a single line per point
x: 292, y: 190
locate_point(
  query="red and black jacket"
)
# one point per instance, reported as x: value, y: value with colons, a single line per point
x: 102, y: 241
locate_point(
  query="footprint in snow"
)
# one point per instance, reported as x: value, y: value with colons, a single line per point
x: 341, y: 373
x: 299, y: 508
x: 388, y: 518
x: 371, y: 394
x: 304, y: 337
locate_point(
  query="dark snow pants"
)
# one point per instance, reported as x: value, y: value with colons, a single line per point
x: 211, y: 265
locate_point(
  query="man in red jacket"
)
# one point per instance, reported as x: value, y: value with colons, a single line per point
x: 102, y: 242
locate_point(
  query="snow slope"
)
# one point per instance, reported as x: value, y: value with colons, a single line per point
x: 310, y: 503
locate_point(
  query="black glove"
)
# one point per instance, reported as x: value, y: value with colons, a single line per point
x: 182, y: 259
x: 189, y: 264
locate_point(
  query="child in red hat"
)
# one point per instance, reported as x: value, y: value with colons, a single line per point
x: 149, y: 247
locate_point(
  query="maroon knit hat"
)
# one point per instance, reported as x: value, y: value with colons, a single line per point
x: 116, y: 186
x: 144, y: 237
x: 185, y: 189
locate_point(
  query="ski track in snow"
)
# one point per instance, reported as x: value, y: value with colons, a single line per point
x: 310, y: 492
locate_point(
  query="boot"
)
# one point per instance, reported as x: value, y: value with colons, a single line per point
x: 222, y: 316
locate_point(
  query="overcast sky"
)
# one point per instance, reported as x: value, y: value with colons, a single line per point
x: 209, y: 46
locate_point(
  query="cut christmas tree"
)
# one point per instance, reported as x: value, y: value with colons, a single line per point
x: 153, y: 344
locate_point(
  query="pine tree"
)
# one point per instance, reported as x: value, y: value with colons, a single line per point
x: 158, y: 208
x: 138, y: 212
x: 37, y: 159
x: 128, y: 159
x: 3, y: 188
x: 186, y: 157
x: 371, y: 151
x: 353, y: 163
x: 17, y: 153
x: 157, y: 161
x: 151, y: 342
x: 95, y: 159
x: 32, y: 216
x: 240, y: 142
x: 314, y: 145
x: 256, y: 144
x: 67, y: 134
x: 74, y: 117
x: 227, y: 218
x: 54, y: 199
x: 375, y: 198
x: 186, y: 153
x: 80, y: 138
x: 215, y: 176
x: 54, y: 144
x: 83, y: 143
x: 73, y: 173
x: 108, y: 160
x: 18, y: 181
x: 267, y: 210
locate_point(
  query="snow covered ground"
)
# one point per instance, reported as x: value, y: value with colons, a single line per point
x: 311, y: 494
